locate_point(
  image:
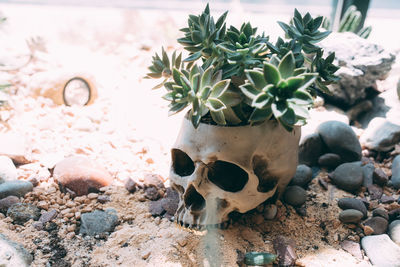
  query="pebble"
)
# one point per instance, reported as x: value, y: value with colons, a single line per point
x: 348, y: 176
x: 368, y: 171
x: 329, y: 160
x: 395, y: 180
x: 394, y: 231
x: 81, y: 175
x: 270, y: 211
x: 48, y: 216
x: 394, y: 214
x: 153, y: 180
x: 7, y: 202
x: 353, y: 248
x: 353, y: 203
x: 170, y: 201
x: 98, y: 222
x: 378, y: 224
x: 379, y: 177
x: 156, y: 208
x: 15, y: 188
x: 8, y: 172
x: 20, y: 213
x: 295, y: 195
x: 130, y: 185
x: 285, y: 249
x: 151, y: 193
x: 92, y: 195
x: 43, y: 205
x: 302, y: 176
x: 368, y: 230
x: 381, y: 250
x: 103, y: 199
x: 387, y: 199
x: 13, y: 254
x: 146, y: 255
x: 350, y: 216
x: 340, y: 139
x: 310, y: 149
x: 380, y: 213
x: 375, y: 191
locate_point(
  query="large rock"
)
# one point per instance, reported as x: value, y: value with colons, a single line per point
x: 13, y: 254
x: 361, y: 64
x: 310, y: 149
x: 15, y: 188
x: 340, y: 139
x: 15, y: 147
x: 381, y: 251
x: 380, y: 135
x: 81, y: 175
x: 8, y: 172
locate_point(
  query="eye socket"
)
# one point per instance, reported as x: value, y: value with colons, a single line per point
x: 266, y: 181
x: 227, y: 176
x: 182, y: 164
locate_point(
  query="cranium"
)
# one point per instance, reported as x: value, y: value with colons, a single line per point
x: 217, y: 170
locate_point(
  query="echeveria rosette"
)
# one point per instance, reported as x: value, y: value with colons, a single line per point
x: 161, y: 67
x: 205, y: 92
x: 243, y: 50
x: 325, y: 69
x: 202, y: 35
x: 279, y: 90
x: 305, y: 30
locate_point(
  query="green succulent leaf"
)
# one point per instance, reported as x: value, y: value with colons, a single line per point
x: 256, y: 78
x: 271, y: 73
x: 287, y: 65
x: 262, y: 101
x: 249, y: 90
x: 220, y: 88
x: 215, y: 104
x: 259, y: 115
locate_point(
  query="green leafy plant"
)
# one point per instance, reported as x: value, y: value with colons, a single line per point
x: 234, y: 76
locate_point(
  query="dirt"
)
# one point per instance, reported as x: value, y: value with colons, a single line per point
x: 127, y: 131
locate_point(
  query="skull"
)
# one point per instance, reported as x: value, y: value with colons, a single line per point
x: 217, y: 170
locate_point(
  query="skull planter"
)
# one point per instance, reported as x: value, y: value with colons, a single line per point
x: 220, y: 169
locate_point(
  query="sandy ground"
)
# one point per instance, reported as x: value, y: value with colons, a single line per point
x: 128, y: 131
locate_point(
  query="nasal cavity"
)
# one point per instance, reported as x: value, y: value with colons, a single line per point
x: 227, y: 176
x: 182, y: 164
x: 193, y: 200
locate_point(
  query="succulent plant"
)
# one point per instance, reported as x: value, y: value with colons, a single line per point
x: 350, y: 22
x: 235, y: 76
x: 279, y: 90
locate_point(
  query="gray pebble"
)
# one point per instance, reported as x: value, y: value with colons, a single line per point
x: 98, y: 222
x: 348, y: 176
x: 368, y: 171
x: 350, y: 216
x: 15, y: 188
x: 396, y: 172
x: 23, y: 212
x: 329, y: 160
x: 394, y: 231
x: 295, y: 195
x: 375, y: 192
x: 270, y: 211
x: 379, y: 177
x: 302, y: 176
x: 310, y: 149
x: 378, y: 224
x: 353, y: 203
x: 340, y: 139
x: 380, y: 213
